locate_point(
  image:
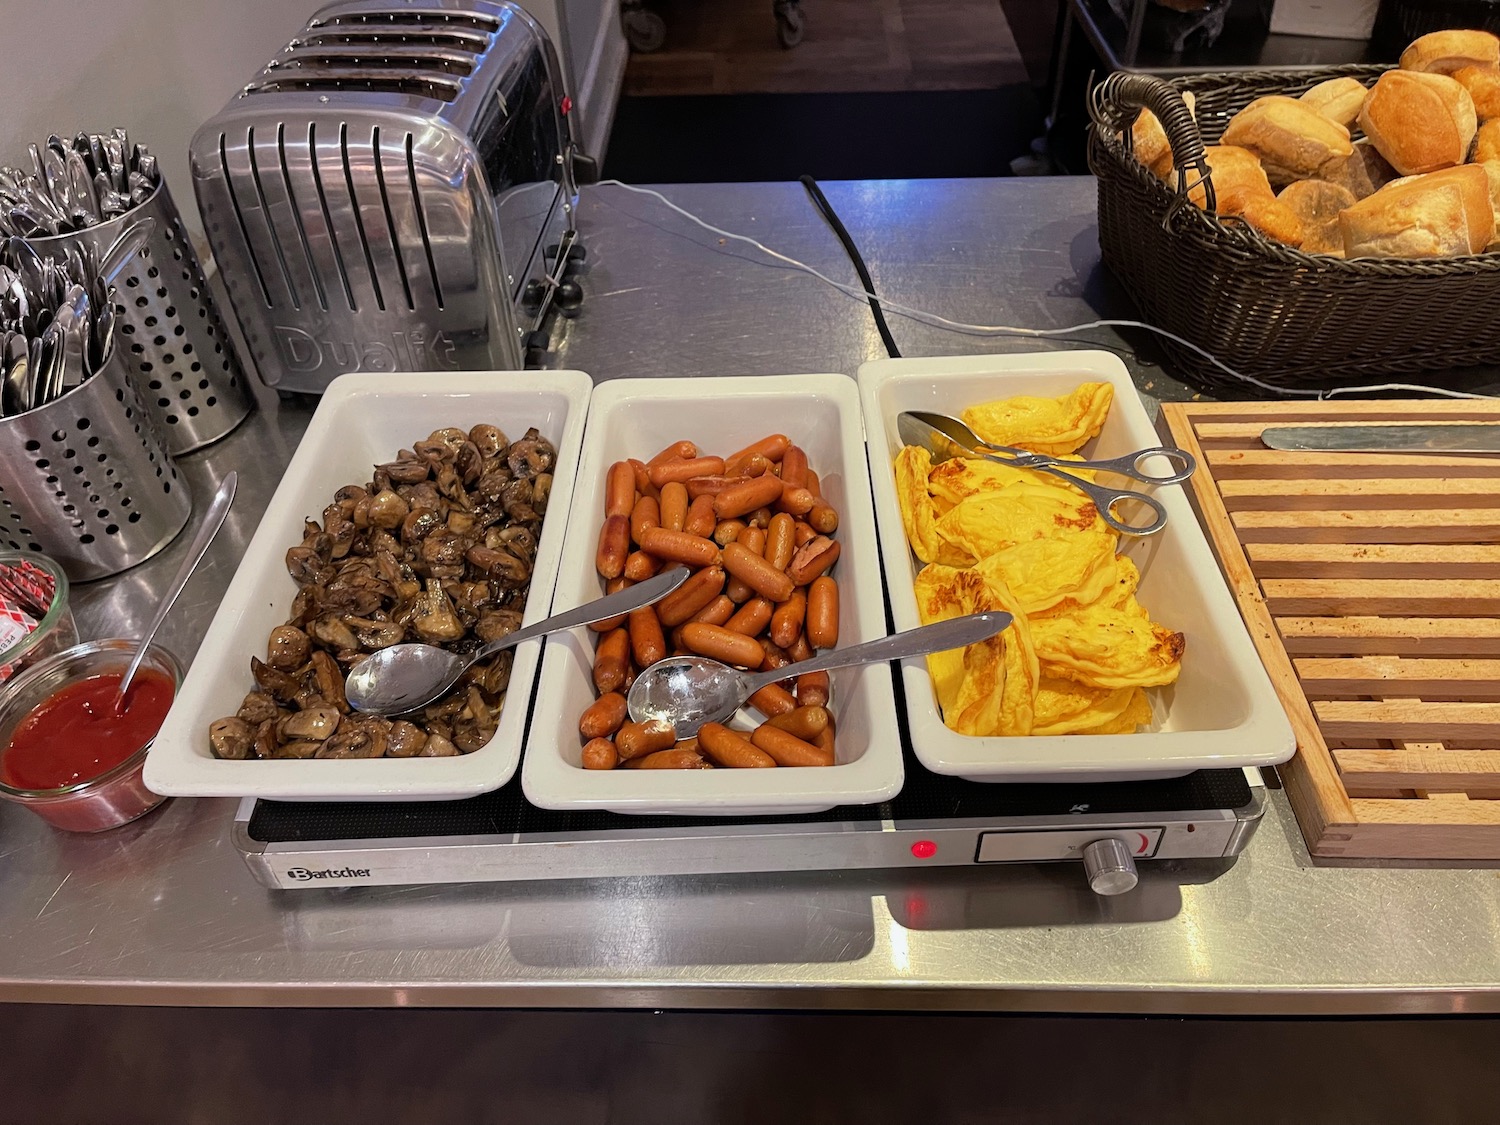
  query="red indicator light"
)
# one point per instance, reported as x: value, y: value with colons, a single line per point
x: 924, y: 849
x: 567, y: 105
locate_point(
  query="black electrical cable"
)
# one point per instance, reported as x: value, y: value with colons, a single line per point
x: 820, y: 201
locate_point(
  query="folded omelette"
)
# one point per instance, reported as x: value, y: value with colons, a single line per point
x: 1082, y: 648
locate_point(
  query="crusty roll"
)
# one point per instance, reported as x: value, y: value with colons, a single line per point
x: 1487, y: 144
x: 1483, y: 84
x: 1149, y: 141
x: 1419, y: 122
x: 1241, y: 189
x: 1363, y: 172
x: 1478, y: 207
x: 1338, y: 99
x: 1492, y: 171
x: 1317, y: 203
x: 1443, y: 52
x: 1291, y: 138
x: 1440, y: 215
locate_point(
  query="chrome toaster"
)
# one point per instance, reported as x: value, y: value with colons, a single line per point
x: 395, y: 191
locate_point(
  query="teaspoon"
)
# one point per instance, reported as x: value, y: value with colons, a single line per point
x: 213, y: 519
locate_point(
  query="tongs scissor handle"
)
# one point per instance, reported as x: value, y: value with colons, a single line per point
x: 1105, y: 500
x: 1131, y: 465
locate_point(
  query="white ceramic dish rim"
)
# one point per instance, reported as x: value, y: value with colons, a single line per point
x: 552, y: 782
x: 177, y: 766
x: 1264, y: 738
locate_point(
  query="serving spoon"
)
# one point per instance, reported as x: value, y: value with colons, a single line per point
x: 402, y: 678
x: 688, y: 691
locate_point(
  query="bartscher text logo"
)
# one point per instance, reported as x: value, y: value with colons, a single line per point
x: 303, y: 874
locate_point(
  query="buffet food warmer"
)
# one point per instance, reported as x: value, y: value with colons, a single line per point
x: 1125, y: 812
x: 934, y: 821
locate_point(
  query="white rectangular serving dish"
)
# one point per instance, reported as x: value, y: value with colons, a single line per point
x: 636, y: 418
x: 364, y: 420
x: 1221, y: 712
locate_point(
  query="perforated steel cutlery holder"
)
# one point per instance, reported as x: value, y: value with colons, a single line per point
x: 87, y: 478
x: 168, y: 329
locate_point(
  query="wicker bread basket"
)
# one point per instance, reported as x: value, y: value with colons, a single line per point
x: 1286, y: 318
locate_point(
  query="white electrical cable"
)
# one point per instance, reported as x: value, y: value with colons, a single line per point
x: 937, y: 321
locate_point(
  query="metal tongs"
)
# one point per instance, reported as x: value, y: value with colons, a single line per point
x: 918, y: 427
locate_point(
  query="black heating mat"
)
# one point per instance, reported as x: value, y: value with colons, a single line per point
x: 925, y: 797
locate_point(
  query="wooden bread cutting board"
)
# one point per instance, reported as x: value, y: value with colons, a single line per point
x: 1370, y: 583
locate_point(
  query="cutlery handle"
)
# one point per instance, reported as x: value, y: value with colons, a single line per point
x: 124, y: 248
x: 939, y: 637
x: 632, y: 597
x: 213, y: 519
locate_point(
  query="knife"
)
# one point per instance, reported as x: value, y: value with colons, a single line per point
x: 1464, y: 437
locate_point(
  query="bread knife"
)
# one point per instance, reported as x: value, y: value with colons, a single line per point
x: 1463, y: 437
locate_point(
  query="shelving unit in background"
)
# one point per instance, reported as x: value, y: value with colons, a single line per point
x: 1091, y: 40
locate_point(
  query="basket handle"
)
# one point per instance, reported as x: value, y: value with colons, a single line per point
x: 1116, y: 103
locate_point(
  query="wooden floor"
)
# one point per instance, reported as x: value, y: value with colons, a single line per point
x: 850, y: 46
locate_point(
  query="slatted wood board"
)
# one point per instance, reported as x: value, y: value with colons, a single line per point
x: 1371, y: 586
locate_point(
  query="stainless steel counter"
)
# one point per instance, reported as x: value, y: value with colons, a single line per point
x: 164, y: 912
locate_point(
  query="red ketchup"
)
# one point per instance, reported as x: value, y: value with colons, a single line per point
x: 75, y: 735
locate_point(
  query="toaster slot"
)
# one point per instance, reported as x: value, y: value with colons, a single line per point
x: 339, y: 210
x: 386, y: 56
x: 279, y: 211
x: 314, y: 223
x: 235, y: 162
x: 359, y: 182
x: 385, y: 82
x: 434, y: 38
x: 387, y: 237
x: 419, y: 214
x: 411, y: 17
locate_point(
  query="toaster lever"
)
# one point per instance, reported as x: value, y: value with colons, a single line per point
x: 585, y: 168
x: 568, y: 298
x: 534, y: 295
x: 536, y: 345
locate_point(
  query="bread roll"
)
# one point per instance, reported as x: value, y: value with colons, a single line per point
x: 1317, y: 203
x: 1483, y: 84
x: 1148, y: 140
x: 1363, y: 172
x: 1487, y: 144
x: 1242, y: 190
x: 1439, y: 215
x: 1292, y: 139
x: 1338, y: 99
x: 1419, y: 122
x: 1479, y: 209
x: 1443, y: 52
x: 1492, y: 171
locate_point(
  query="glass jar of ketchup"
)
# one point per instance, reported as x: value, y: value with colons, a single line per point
x: 66, y: 752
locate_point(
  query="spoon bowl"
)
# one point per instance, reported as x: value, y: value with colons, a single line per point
x: 688, y: 691
x: 407, y: 677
